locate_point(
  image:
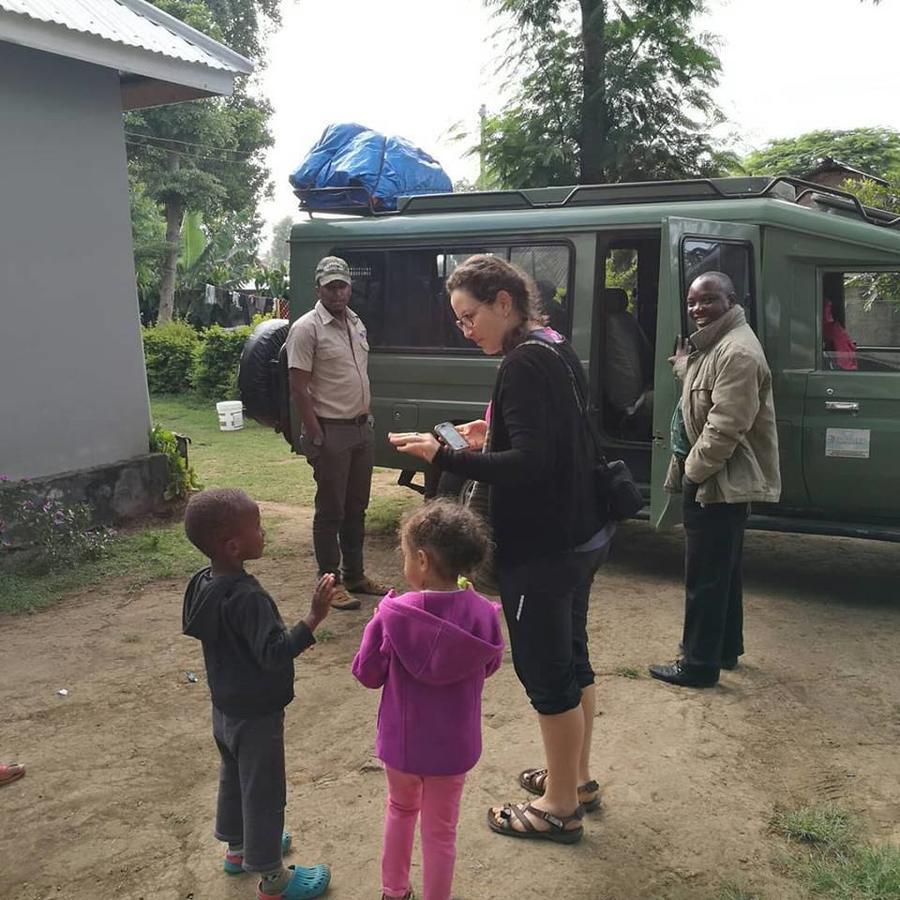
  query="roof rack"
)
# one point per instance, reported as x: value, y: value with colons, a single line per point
x: 782, y: 187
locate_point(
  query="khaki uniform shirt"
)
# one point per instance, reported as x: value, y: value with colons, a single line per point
x: 336, y: 354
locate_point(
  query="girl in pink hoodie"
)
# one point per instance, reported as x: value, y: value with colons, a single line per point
x: 430, y: 651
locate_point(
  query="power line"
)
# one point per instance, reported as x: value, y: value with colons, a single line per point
x: 152, y: 137
x: 183, y: 153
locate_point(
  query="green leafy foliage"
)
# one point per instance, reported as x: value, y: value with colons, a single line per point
x: 206, y: 156
x: 872, y: 150
x: 215, y: 365
x: 279, y: 250
x: 606, y: 92
x: 182, y: 477
x: 169, y: 352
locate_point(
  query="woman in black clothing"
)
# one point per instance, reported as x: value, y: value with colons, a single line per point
x: 550, y: 538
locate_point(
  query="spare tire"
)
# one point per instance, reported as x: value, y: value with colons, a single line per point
x: 263, y: 380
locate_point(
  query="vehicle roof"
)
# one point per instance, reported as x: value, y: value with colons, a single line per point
x: 833, y: 215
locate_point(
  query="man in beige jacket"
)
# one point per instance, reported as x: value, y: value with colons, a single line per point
x: 725, y: 456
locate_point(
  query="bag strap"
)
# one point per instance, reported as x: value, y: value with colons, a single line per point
x: 580, y: 402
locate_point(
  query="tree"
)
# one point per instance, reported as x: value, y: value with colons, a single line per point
x: 607, y: 92
x: 877, y: 286
x: 148, y: 234
x: 205, y: 156
x: 280, y: 251
x: 872, y: 150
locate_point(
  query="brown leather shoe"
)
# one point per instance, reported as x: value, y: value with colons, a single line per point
x: 366, y: 585
x: 340, y: 599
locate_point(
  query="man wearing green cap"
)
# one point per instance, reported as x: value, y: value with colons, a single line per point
x: 328, y: 357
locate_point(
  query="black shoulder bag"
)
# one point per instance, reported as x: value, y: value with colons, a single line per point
x: 616, y: 493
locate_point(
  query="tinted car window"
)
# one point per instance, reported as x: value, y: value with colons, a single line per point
x: 401, y: 298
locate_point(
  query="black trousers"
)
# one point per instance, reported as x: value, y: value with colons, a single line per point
x: 713, y: 555
x: 545, y: 604
x: 252, y: 786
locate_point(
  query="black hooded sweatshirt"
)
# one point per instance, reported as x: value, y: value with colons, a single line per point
x: 249, y: 653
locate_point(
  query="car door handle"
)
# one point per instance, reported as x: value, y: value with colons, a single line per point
x: 841, y: 406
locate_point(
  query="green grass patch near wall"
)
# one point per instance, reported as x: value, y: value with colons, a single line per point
x: 140, y: 557
x: 255, y: 459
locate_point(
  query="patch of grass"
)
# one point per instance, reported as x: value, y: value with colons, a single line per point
x: 324, y: 635
x: 255, y: 459
x: 837, y: 864
x: 142, y: 556
x: 384, y: 513
x: 866, y: 873
x: 627, y: 672
x: 732, y: 891
x: 827, y: 826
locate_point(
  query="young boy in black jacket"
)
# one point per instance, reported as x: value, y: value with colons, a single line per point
x: 249, y: 656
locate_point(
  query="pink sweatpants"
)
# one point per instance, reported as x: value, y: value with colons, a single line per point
x: 437, y: 797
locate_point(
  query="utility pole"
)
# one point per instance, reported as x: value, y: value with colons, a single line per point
x: 482, y: 115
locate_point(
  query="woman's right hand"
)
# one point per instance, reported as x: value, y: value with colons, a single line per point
x: 475, y: 433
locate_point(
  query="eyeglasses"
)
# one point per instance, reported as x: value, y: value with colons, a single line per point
x: 466, y: 322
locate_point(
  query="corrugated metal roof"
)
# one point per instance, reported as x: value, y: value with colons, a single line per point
x: 132, y: 24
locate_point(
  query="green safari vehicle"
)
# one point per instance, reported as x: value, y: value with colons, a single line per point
x: 817, y: 273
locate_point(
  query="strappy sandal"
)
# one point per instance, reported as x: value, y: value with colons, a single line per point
x: 534, y: 780
x: 557, y: 832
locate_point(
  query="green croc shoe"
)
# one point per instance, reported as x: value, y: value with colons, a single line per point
x: 234, y: 862
x: 305, y: 883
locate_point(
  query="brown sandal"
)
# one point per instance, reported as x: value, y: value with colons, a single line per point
x: 557, y: 831
x: 533, y: 780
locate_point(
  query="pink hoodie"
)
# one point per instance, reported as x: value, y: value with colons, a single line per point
x: 431, y: 651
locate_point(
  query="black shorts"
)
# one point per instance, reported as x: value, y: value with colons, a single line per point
x: 545, y: 602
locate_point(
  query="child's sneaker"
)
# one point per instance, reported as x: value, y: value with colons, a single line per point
x: 306, y: 882
x: 234, y: 862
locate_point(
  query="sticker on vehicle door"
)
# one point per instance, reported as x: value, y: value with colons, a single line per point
x: 850, y: 443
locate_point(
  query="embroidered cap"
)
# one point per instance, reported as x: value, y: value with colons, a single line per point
x: 332, y: 268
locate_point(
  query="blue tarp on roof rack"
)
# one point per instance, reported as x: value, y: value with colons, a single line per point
x: 352, y: 166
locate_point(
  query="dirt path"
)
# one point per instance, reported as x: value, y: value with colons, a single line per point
x: 122, y: 772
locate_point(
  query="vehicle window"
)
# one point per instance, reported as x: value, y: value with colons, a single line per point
x: 861, y: 321
x: 400, y: 294
x: 629, y: 304
x: 734, y: 258
x: 549, y: 268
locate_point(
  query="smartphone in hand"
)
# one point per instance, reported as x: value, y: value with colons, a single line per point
x: 447, y: 434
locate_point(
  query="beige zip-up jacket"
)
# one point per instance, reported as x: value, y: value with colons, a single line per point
x: 729, y: 416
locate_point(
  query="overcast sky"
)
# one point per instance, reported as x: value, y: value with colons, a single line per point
x: 416, y: 67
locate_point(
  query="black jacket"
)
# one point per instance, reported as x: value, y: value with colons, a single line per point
x: 249, y: 653
x: 541, y: 458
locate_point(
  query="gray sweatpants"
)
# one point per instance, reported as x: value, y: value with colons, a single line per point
x: 252, y: 788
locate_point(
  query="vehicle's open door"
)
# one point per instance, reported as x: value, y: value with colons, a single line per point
x: 689, y: 248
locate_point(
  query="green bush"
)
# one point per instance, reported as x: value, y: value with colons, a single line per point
x: 214, y: 372
x: 182, y: 477
x: 169, y: 354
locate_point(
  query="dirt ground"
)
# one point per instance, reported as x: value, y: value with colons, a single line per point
x: 121, y: 777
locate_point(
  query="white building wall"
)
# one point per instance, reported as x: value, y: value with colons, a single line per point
x: 73, y: 391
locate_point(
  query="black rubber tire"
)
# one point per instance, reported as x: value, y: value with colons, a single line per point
x: 260, y: 376
x: 454, y: 487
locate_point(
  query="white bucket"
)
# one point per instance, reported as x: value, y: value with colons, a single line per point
x: 231, y: 415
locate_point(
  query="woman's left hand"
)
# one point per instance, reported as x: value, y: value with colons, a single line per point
x: 415, y: 443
